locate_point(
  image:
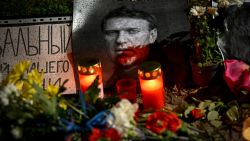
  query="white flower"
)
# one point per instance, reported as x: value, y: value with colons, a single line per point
x: 4, y: 98
x: 223, y: 3
x: 197, y: 10
x: 124, y: 113
x: 6, y: 92
x: 237, y: 2
x: 226, y: 3
x: 16, y: 132
x: 11, y: 89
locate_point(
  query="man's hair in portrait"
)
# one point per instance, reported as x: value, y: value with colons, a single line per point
x: 127, y: 12
x: 238, y: 36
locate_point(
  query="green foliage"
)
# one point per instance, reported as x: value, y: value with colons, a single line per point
x: 204, y: 31
x: 28, y: 109
x: 212, y: 111
x: 207, y: 26
x: 91, y: 95
x: 233, y: 113
x: 29, y: 8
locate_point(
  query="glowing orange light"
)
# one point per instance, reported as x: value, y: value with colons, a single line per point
x: 246, y: 129
x: 88, y: 70
x: 152, y: 88
x: 86, y: 81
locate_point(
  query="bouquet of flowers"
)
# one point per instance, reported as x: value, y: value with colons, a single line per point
x: 207, y: 25
x: 31, y: 112
x: 27, y: 109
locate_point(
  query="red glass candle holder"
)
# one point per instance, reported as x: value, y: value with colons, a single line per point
x: 151, y: 84
x: 126, y: 88
x: 88, y: 70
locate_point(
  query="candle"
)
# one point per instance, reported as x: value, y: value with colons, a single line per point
x: 126, y: 88
x: 246, y: 129
x: 88, y: 70
x: 151, y: 84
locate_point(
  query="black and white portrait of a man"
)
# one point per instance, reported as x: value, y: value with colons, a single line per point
x: 124, y: 33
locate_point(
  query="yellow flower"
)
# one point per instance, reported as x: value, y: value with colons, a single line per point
x: 19, y: 85
x: 28, y: 90
x: 17, y: 72
x: 52, y: 91
x: 35, y: 77
x: 197, y: 11
x: 63, y: 104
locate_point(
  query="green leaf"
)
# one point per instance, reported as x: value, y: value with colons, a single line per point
x: 212, y: 115
x: 195, y: 99
x: 245, y: 105
x: 233, y: 113
x: 110, y: 101
x: 188, y: 110
x: 245, y: 92
x: 216, y: 123
x: 47, y: 105
x: 211, y: 106
x: 92, y: 92
x: 204, y: 104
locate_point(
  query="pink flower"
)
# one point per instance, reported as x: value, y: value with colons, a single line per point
x: 237, y: 75
x: 246, y: 80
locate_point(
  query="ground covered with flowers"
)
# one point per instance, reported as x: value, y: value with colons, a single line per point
x: 31, y: 112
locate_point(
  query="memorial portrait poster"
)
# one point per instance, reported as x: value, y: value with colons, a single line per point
x: 88, y: 39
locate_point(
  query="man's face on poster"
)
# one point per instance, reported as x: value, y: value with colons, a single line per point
x: 128, y: 39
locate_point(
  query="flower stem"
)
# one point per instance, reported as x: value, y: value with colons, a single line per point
x: 77, y: 110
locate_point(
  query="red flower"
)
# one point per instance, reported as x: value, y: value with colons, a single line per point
x: 174, y: 123
x: 237, y: 75
x: 95, y: 135
x: 158, y: 122
x: 108, y: 134
x: 112, y: 134
x: 197, y: 114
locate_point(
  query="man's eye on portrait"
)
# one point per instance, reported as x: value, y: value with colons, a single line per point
x: 110, y: 32
x: 133, y: 31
